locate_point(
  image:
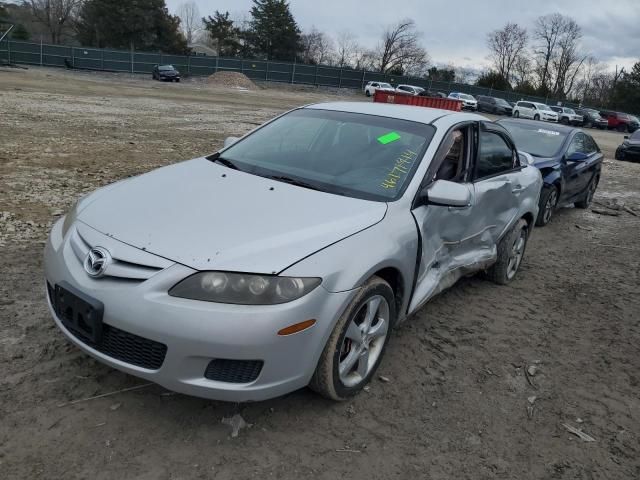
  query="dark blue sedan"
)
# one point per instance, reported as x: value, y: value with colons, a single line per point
x: 569, y: 159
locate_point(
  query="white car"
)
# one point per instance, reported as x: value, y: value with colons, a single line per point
x: 535, y: 111
x: 468, y: 101
x: 409, y: 89
x: 568, y: 116
x: 371, y: 87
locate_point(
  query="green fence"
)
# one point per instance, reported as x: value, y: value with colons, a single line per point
x: 261, y: 70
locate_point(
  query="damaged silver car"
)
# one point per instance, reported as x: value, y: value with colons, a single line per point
x: 286, y: 258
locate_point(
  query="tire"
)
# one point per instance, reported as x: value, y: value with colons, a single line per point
x: 536, y: 117
x: 367, y: 93
x: 588, y: 125
x: 588, y: 197
x: 327, y: 380
x: 516, y: 114
x: 547, y: 205
x: 510, y: 253
x: 621, y: 128
x: 564, y: 121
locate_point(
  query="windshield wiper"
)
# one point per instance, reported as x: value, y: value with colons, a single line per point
x: 294, y: 181
x: 224, y: 161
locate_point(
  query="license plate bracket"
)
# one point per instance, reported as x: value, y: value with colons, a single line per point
x: 78, y: 311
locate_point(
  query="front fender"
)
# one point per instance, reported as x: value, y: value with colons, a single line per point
x: 347, y: 264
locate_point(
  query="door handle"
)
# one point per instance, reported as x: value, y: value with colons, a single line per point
x: 517, y: 189
x: 454, y: 209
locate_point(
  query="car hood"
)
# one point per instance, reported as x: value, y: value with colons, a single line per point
x: 207, y: 216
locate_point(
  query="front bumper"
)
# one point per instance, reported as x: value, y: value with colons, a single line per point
x: 549, y: 118
x: 196, y: 333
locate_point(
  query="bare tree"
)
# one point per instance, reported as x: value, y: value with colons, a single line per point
x: 363, y: 58
x: 400, y: 50
x: 521, y: 71
x: 317, y: 47
x: 507, y: 45
x: 54, y: 15
x: 190, y: 20
x: 346, y: 47
x: 557, y: 53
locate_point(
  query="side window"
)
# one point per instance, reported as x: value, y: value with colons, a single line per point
x: 453, y: 157
x: 494, y: 156
x: 577, y: 144
x: 590, y: 144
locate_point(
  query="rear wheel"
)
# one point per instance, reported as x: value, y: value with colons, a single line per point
x: 588, y: 197
x: 564, y: 121
x: 367, y: 93
x: 622, y: 128
x: 548, y: 202
x: 356, y: 345
x: 516, y: 114
x: 536, y: 117
x: 510, y: 253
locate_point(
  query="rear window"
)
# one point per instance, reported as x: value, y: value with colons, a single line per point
x: 539, y: 141
x: 166, y: 68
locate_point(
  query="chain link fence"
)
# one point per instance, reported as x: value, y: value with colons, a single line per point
x: 12, y: 51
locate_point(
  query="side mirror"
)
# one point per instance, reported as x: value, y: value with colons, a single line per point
x: 446, y: 194
x: 577, y: 157
x: 230, y: 141
x: 626, y: 137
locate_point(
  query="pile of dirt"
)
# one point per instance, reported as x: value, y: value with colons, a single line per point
x: 231, y: 79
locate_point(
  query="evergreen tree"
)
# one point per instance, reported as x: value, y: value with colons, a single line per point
x: 626, y: 92
x: 273, y: 31
x: 225, y: 34
x: 19, y: 32
x: 492, y: 79
x: 143, y: 24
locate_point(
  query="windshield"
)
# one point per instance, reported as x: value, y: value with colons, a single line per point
x: 570, y: 111
x: 542, y: 106
x: 633, y: 119
x: 166, y: 68
x: 464, y: 96
x: 385, y: 85
x: 362, y: 156
x: 635, y: 135
x: 504, y: 103
x: 538, y: 141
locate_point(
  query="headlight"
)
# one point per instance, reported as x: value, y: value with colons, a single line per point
x: 243, y: 288
x: 70, y: 218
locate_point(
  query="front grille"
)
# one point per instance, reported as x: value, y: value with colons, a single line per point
x: 124, y: 346
x: 233, y: 371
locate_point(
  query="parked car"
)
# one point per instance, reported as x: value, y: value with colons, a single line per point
x: 569, y: 159
x: 340, y: 220
x: 495, y: 105
x: 567, y: 115
x: 433, y: 94
x: 409, y: 89
x: 165, y: 73
x: 371, y: 88
x: 468, y: 102
x: 621, y: 122
x: 535, y: 111
x: 630, y: 148
x: 592, y: 119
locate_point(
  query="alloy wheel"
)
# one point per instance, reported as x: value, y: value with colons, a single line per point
x: 517, y: 252
x: 363, y: 341
x: 550, y: 205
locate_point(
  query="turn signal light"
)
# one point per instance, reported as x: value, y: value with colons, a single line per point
x: 296, y: 327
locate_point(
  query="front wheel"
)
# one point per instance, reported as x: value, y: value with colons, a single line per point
x: 622, y: 128
x: 367, y: 93
x: 516, y: 114
x: 356, y: 345
x: 536, y: 117
x: 547, y: 204
x: 510, y: 253
x: 588, y: 197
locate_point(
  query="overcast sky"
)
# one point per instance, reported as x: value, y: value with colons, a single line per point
x: 455, y: 31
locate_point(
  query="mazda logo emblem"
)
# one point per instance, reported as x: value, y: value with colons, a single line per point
x: 96, y: 261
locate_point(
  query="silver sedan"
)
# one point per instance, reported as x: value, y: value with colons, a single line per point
x: 285, y: 259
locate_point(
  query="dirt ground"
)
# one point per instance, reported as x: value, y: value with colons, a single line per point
x: 457, y: 405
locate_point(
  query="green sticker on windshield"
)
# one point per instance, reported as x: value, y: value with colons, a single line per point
x: 389, y: 137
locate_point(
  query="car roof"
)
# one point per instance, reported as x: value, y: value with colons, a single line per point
x: 402, y: 112
x: 536, y: 124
